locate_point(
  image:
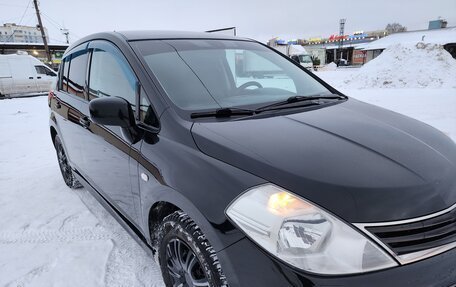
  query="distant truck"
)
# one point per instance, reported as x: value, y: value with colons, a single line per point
x: 24, y: 75
x: 297, y: 53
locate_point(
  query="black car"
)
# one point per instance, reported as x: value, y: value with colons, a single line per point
x: 236, y: 166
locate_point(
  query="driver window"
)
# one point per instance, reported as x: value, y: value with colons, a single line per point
x: 111, y: 76
x: 41, y: 70
x: 251, y: 70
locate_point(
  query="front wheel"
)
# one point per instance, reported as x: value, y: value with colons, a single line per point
x: 186, y: 258
x: 65, y: 168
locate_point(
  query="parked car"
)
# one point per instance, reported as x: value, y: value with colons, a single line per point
x: 342, y: 62
x: 23, y: 75
x: 227, y: 180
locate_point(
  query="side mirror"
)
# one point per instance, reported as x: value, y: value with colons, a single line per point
x: 112, y: 111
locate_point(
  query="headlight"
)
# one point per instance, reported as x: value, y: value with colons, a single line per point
x: 303, y: 235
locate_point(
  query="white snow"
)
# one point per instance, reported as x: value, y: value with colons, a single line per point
x: 329, y: 67
x: 407, y: 66
x: 51, y: 235
x: 436, y: 36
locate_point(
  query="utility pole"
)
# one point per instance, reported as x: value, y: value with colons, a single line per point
x: 66, y: 32
x: 341, y: 35
x: 43, y: 35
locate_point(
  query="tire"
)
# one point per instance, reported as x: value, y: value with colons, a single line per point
x: 65, y: 168
x: 185, y: 256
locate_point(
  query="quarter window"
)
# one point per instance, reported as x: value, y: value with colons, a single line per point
x: 111, y: 76
x: 146, y: 112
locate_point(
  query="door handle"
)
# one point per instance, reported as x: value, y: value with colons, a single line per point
x: 31, y: 78
x: 85, y: 122
x: 38, y: 77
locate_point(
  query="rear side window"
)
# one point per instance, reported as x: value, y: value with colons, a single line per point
x: 111, y: 76
x: 77, y: 73
x: 65, y: 68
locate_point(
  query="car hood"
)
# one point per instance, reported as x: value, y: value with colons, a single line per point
x: 359, y: 161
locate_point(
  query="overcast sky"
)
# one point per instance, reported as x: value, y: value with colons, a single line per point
x: 259, y: 19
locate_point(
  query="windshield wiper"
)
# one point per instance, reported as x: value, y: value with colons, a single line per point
x: 223, y: 113
x: 228, y: 112
x: 296, y: 99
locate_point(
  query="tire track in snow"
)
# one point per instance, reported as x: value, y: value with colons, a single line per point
x: 128, y: 264
x: 47, y: 236
x: 27, y: 278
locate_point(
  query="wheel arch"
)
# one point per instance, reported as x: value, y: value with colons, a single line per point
x: 53, y: 134
x: 166, y: 201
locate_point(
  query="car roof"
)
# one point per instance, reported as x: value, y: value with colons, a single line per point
x: 151, y: 35
x: 156, y: 34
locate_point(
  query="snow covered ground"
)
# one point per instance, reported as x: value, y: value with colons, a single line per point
x: 51, y: 235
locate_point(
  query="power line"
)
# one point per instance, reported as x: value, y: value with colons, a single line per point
x: 61, y: 28
x: 20, y: 21
x: 58, y: 24
x: 53, y: 22
x: 12, y: 5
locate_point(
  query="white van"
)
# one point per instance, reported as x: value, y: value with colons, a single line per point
x: 24, y: 75
x: 298, y: 54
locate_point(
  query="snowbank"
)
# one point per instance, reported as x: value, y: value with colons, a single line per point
x: 329, y: 67
x: 407, y: 66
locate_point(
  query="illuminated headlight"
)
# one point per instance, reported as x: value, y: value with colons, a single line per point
x: 303, y: 235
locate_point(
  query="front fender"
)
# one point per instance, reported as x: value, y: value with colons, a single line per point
x: 220, y: 236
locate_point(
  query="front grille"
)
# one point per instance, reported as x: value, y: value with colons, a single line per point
x: 419, y: 235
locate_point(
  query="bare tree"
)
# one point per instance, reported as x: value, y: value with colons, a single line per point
x: 395, y: 28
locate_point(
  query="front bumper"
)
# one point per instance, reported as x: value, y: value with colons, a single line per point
x: 245, y: 264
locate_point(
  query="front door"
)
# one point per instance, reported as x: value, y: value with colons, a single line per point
x: 45, y: 78
x: 106, y: 151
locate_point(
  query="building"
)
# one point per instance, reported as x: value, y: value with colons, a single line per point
x: 36, y: 50
x: 334, y: 47
x: 443, y: 36
x: 15, y: 38
x: 437, y: 24
x: 12, y: 33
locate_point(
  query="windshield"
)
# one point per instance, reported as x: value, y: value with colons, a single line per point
x: 305, y: 59
x: 212, y: 74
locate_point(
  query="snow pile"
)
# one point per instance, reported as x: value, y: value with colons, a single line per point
x: 407, y: 66
x: 329, y: 67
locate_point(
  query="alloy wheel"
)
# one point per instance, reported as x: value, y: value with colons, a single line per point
x: 63, y: 164
x: 183, y: 265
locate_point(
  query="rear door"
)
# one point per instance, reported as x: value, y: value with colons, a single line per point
x: 70, y: 96
x: 106, y: 152
x: 6, y: 79
x: 23, y: 74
